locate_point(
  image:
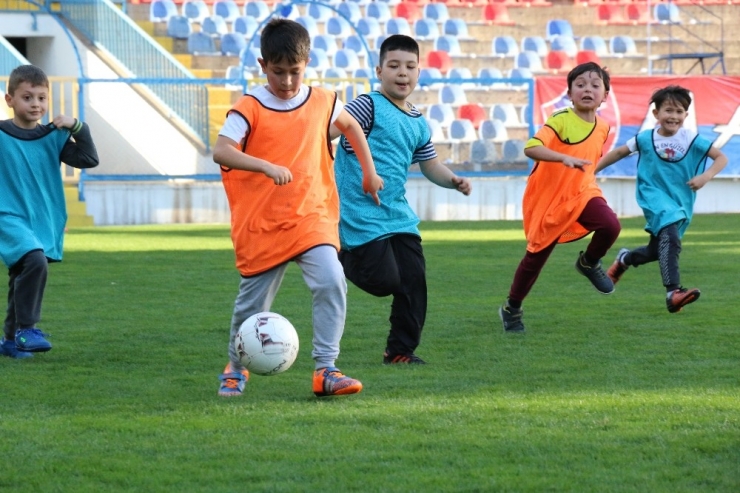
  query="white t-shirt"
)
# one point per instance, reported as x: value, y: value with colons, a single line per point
x: 236, y: 128
x: 671, y: 148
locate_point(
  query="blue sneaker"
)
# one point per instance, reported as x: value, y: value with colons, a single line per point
x: 232, y: 383
x: 9, y: 349
x: 32, y: 340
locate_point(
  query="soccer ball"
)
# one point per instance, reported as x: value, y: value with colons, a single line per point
x: 267, y: 344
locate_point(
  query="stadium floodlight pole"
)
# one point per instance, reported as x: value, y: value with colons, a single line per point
x: 649, y: 41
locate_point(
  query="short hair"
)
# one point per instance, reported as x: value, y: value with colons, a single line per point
x: 585, y: 68
x: 398, y: 42
x: 26, y: 73
x: 284, y: 39
x: 676, y: 94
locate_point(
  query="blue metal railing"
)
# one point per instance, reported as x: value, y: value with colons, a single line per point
x: 9, y: 58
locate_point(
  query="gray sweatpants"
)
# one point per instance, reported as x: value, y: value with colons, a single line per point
x: 325, y: 278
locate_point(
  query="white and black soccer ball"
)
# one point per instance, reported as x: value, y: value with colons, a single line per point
x: 267, y: 343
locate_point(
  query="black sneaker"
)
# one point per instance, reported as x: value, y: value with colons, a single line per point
x: 403, y: 359
x: 596, y: 275
x: 511, y: 318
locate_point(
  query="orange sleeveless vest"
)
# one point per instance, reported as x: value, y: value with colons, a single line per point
x: 556, y: 195
x: 272, y: 224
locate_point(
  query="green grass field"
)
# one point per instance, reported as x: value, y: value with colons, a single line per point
x: 602, y: 394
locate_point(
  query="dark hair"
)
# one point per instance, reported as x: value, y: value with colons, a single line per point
x: 284, y: 39
x: 27, y: 73
x: 398, y: 42
x: 585, y: 68
x: 676, y: 94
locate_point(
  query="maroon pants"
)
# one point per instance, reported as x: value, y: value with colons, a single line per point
x: 598, y: 217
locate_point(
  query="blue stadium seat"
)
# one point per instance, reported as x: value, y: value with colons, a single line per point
x: 309, y: 23
x: 448, y: 43
x: 257, y: 9
x: 346, y: 59
x: 201, y: 44
x: 369, y: 27
x: 178, y: 27
x: 428, y: 73
x: 310, y: 73
x: 378, y: 10
x: 398, y: 25
x: 520, y: 73
x: 363, y: 73
x: 426, y: 28
x: 483, y: 152
x: 667, y: 13
x: 443, y: 113
x: 162, y: 10
x: 452, y: 94
x: 490, y: 73
x: 249, y: 56
x: 505, y: 113
x: 288, y: 11
x: 557, y: 27
x: 504, y: 46
x: 335, y: 73
x: 513, y: 151
x: 321, y: 14
x: 456, y: 27
x: 232, y: 44
x: 195, y: 10
x: 326, y: 42
x: 438, y: 133
x: 461, y: 73
x: 351, y: 10
x: 528, y: 59
x: 226, y: 9
x: 563, y: 42
x: 246, y: 26
x: 319, y: 60
x: 622, y: 45
x: 494, y: 130
x: 462, y: 130
x: 594, y: 43
x: 379, y: 41
x: 353, y: 42
x: 353, y: 90
x: 536, y: 44
x: 436, y: 11
x: 524, y: 115
x: 214, y: 25
x: 338, y: 27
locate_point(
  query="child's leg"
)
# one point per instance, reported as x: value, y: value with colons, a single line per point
x: 526, y: 275
x: 325, y: 278
x: 409, y: 307
x: 26, y: 288
x: 256, y: 294
x: 598, y: 217
x: 669, y: 248
x: 372, y: 267
x: 644, y: 254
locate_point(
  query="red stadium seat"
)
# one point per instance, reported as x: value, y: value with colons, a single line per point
x: 409, y: 11
x: 473, y: 112
x: 497, y: 13
x: 584, y: 56
x: 440, y: 60
x: 637, y: 13
x: 559, y: 61
x: 610, y: 14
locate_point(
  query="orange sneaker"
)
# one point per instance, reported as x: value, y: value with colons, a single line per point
x: 615, y: 271
x: 331, y: 381
x: 232, y: 383
x: 678, y: 298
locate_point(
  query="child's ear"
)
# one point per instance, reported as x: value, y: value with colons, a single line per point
x: 7, y: 100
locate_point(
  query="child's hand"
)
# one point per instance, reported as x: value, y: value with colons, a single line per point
x: 574, y: 162
x: 462, y: 185
x: 697, y: 182
x: 279, y: 174
x: 63, y: 121
x: 371, y: 184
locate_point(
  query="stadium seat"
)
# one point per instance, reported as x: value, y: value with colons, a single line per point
x: 497, y: 14
x: 436, y: 12
x: 456, y: 27
x: 438, y: 133
x: 594, y: 43
x: 228, y: 9
x: 398, y: 25
x: 520, y: 73
x: 536, y: 44
x: 452, y: 94
x: 524, y: 116
x: 638, y: 13
x: 490, y: 73
x: 178, y: 27
x: 369, y: 27
x: 461, y: 73
x: 195, y: 10
x: 528, y: 59
x: 443, y: 113
x: 483, y: 152
x: 288, y: 11
x: 257, y: 9
x: 335, y: 73
x: 249, y: 56
x: 426, y: 28
x: 558, y: 27
x: 318, y: 60
x: 505, y: 46
x: 236, y: 75
x: 351, y: 10
x: 491, y: 129
x: 428, y: 73
x: 363, y: 73
x: 585, y: 56
x: 409, y: 11
x: 378, y: 10
x: 448, y: 43
x: 214, y: 25
x: 440, y: 60
x: 559, y: 61
x: 354, y: 42
x: 563, y: 42
x: 162, y: 10
x: 326, y: 42
x: 338, y: 27
x: 321, y: 14
x: 622, y: 45
x: 473, y: 112
x: 513, y: 151
x: 462, y: 131
x: 201, y: 44
x: 353, y: 90
x: 667, y: 13
x: 232, y: 44
x: 309, y: 23
x: 346, y: 59
x: 506, y: 113
x: 310, y: 73
x: 607, y: 13
x: 246, y: 26
x: 379, y: 41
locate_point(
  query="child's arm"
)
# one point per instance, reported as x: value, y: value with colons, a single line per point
x: 227, y: 155
x: 720, y: 161
x: 351, y: 129
x: 612, y: 157
x: 441, y: 175
x: 542, y: 153
x: 79, y: 152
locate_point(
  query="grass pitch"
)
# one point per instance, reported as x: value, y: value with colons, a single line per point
x: 602, y: 394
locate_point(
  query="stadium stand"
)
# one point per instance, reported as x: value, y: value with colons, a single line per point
x: 228, y: 9
x: 462, y: 131
x: 425, y: 29
x: 195, y: 10
x: 257, y: 9
x: 214, y: 25
x: 246, y: 26
x: 536, y: 44
x: 162, y: 10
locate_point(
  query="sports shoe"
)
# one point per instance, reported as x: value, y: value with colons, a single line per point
x: 232, y: 383
x: 511, y: 318
x: 409, y: 359
x: 331, y: 381
x: 678, y: 298
x: 32, y: 340
x: 618, y: 268
x: 9, y: 349
x: 596, y: 275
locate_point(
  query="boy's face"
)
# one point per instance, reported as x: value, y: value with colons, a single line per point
x: 284, y: 78
x: 398, y: 75
x: 29, y: 104
x: 670, y: 116
x: 587, y: 92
